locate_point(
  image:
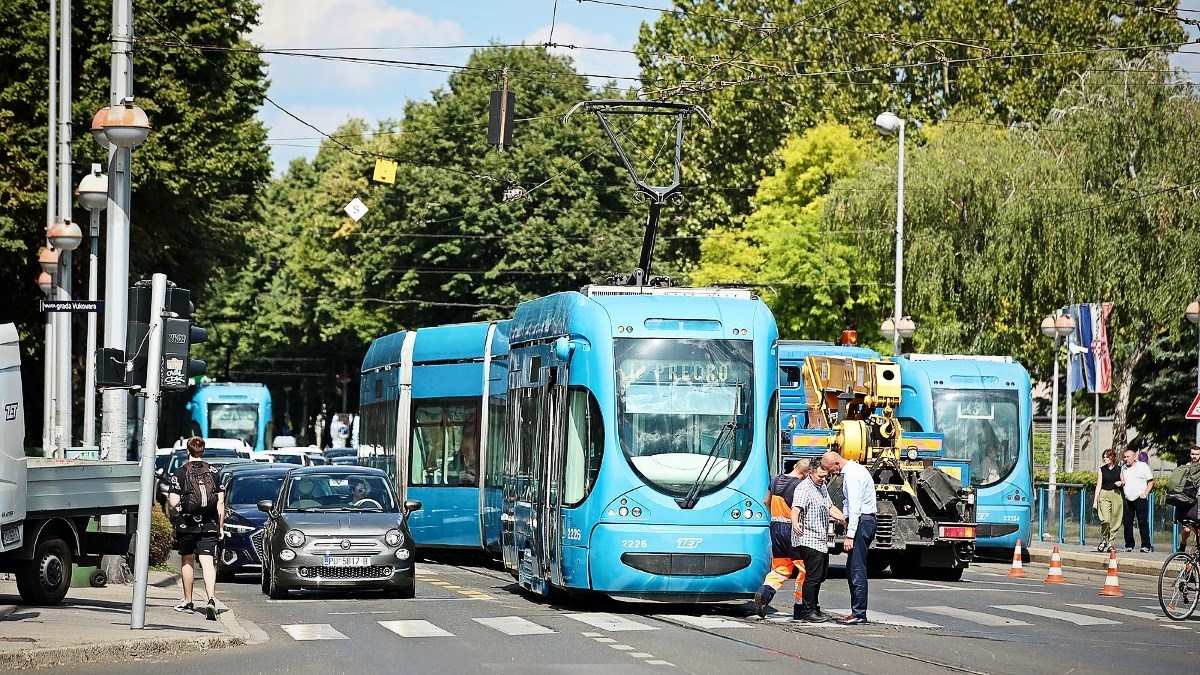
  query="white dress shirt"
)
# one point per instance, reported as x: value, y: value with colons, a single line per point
x: 858, y: 491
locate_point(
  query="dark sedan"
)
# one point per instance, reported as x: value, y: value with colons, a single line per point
x: 245, y: 486
x: 338, y: 527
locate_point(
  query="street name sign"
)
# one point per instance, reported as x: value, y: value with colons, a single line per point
x: 72, y: 306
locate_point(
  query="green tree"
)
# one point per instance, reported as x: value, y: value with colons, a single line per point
x: 1099, y: 203
x: 768, y: 69
x: 813, y: 277
x: 196, y: 177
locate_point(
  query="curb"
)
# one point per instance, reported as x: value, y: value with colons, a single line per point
x: 113, y: 652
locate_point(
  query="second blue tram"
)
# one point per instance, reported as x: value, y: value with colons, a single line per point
x: 616, y: 440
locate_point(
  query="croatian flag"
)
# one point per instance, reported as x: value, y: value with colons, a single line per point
x: 1091, y: 365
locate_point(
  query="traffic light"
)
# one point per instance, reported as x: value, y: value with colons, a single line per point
x: 138, y: 326
x: 178, y: 337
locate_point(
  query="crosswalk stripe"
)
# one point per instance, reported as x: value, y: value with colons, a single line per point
x: 1071, y: 617
x: 706, y: 621
x: 609, y: 622
x: 886, y: 619
x: 1118, y: 610
x: 981, y: 618
x: 313, y: 631
x: 514, y: 625
x: 415, y: 629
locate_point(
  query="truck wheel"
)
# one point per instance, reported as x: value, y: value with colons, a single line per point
x: 45, y: 579
x: 98, y: 579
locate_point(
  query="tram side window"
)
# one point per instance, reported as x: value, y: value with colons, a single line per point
x: 495, y: 451
x: 378, y: 442
x: 790, y: 377
x: 585, y: 445
x: 773, y: 436
x: 445, y: 442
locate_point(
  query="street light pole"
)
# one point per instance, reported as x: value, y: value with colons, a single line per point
x: 50, y: 414
x: 63, y: 339
x: 93, y: 195
x: 888, y: 123
x: 1193, y: 315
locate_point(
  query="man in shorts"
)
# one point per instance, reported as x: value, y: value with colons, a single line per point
x: 197, y: 530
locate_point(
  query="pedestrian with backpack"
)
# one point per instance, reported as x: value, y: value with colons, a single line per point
x: 200, y: 502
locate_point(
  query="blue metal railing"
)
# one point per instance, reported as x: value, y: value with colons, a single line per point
x: 1073, y: 520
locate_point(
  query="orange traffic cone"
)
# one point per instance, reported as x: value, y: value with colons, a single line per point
x: 1055, y: 576
x: 1112, y: 585
x: 1016, y: 570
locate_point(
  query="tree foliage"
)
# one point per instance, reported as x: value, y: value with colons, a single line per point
x: 814, y: 277
x: 769, y: 69
x: 1003, y: 226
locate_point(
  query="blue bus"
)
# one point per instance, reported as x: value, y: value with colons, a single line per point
x: 233, y: 410
x: 982, y: 405
x: 616, y: 440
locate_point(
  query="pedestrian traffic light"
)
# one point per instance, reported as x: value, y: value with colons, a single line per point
x: 178, y: 337
x: 138, y: 327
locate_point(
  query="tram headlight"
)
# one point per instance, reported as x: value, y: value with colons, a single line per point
x: 393, y: 537
x: 637, y: 512
x: 912, y: 453
x: 736, y: 514
x: 623, y: 511
x: 748, y: 514
x: 294, y: 538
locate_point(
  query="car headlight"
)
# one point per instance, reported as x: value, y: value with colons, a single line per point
x: 403, y: 554
x: 394, y: 538
x: 294, y: 538
x: 287, y: 554
x: 238, y: 529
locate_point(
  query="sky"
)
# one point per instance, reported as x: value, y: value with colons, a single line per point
x: 327, y: 93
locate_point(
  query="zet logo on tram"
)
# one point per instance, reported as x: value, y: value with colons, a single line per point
x: 688, y: 542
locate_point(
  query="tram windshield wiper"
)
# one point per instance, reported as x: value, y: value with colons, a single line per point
x: 692, y: 497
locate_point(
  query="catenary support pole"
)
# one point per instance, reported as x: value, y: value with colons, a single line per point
x: 1054, y: 427
x: 63, y: 334
x: 148, y: 444
x: 49, y: 415
x: 114, y: 440
x: 899, y: 245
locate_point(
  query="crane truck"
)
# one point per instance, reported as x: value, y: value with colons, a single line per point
x: 845, y: 399
x: 48, y: 504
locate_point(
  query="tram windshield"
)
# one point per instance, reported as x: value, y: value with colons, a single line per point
x: 674, y: 396
x: 982, y: 426
x: 233, y: 420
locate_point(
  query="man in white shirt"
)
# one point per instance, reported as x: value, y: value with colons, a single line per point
x: 858, y: 490
x: 1136, y: 483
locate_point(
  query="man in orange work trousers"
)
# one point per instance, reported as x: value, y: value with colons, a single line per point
x: 783, y: 561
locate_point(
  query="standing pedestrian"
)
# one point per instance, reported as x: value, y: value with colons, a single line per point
x: 811, y: 510
x: 859, y: 506
x: 198, y: 497
x: 1109, y: 505
x: 784, y: 562
x: 1136, y: 483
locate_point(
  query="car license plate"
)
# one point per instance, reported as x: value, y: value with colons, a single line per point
x: 347, y: 561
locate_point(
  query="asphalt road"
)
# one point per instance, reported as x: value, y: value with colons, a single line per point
x: 469, y: 617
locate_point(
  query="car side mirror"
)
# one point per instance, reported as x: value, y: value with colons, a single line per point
x: 266, y: 505
x: 411, y: 505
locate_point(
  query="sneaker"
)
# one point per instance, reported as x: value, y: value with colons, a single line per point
x: 852, y: 620
x: 185, y: 607
x: 1145, y: 549
x: 760, y: 604
x: 210, y: 610
x: 1101, y: 547
x: 1129, y: 549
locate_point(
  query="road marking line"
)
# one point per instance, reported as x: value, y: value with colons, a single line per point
x: 604, y: 640
x: 641, y: 655
x: 622, y: 648
x: 440, y: 583
x: 1118, y: 610
x: 1071, y: 617
x: 707, y: 621
x: 415, y: 629
x: 453, y: 586
x: 972, y: 590
x: 1174, y: 627
x: 609, y: 622
x: 981, y: 618
x: 887, y: 619
x: 592, y: 634
x: 921, y: 583
x: 514, y: 625
x: 313, y: 631
x: 661, y: 663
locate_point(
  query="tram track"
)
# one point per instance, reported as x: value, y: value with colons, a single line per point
x: 897, y: 653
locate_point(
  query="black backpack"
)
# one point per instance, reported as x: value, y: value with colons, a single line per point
x: 199, y: 489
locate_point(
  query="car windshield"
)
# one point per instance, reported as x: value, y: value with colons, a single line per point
x: 981, y: 426
x: 340, y: 492
x: 245, y: 489
x: 674, y: 398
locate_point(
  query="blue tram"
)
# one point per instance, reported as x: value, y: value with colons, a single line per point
x: 616, y: 440
x: 233, y: 410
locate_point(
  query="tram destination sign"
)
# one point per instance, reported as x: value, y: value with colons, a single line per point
x: 72, y: 306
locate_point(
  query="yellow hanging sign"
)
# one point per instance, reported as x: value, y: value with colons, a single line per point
x: 385, y: 171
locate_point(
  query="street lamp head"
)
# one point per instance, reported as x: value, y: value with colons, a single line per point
x: 46, y: 283
x: 48, y: 259
x: 889, y: 123
x: 1193, y: 311
x: 126, y: 125
x: 64, y: 236
x: 907, y: 327
x: 888, y: 328
x: 93, y: 190
x: 1048, y: 327
x: 98, y: 127
x: 1064, y: 324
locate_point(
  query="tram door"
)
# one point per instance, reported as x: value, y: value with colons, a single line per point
x: 549, y: 510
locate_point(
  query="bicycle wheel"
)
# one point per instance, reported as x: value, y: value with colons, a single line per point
x: 1179, y: 586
